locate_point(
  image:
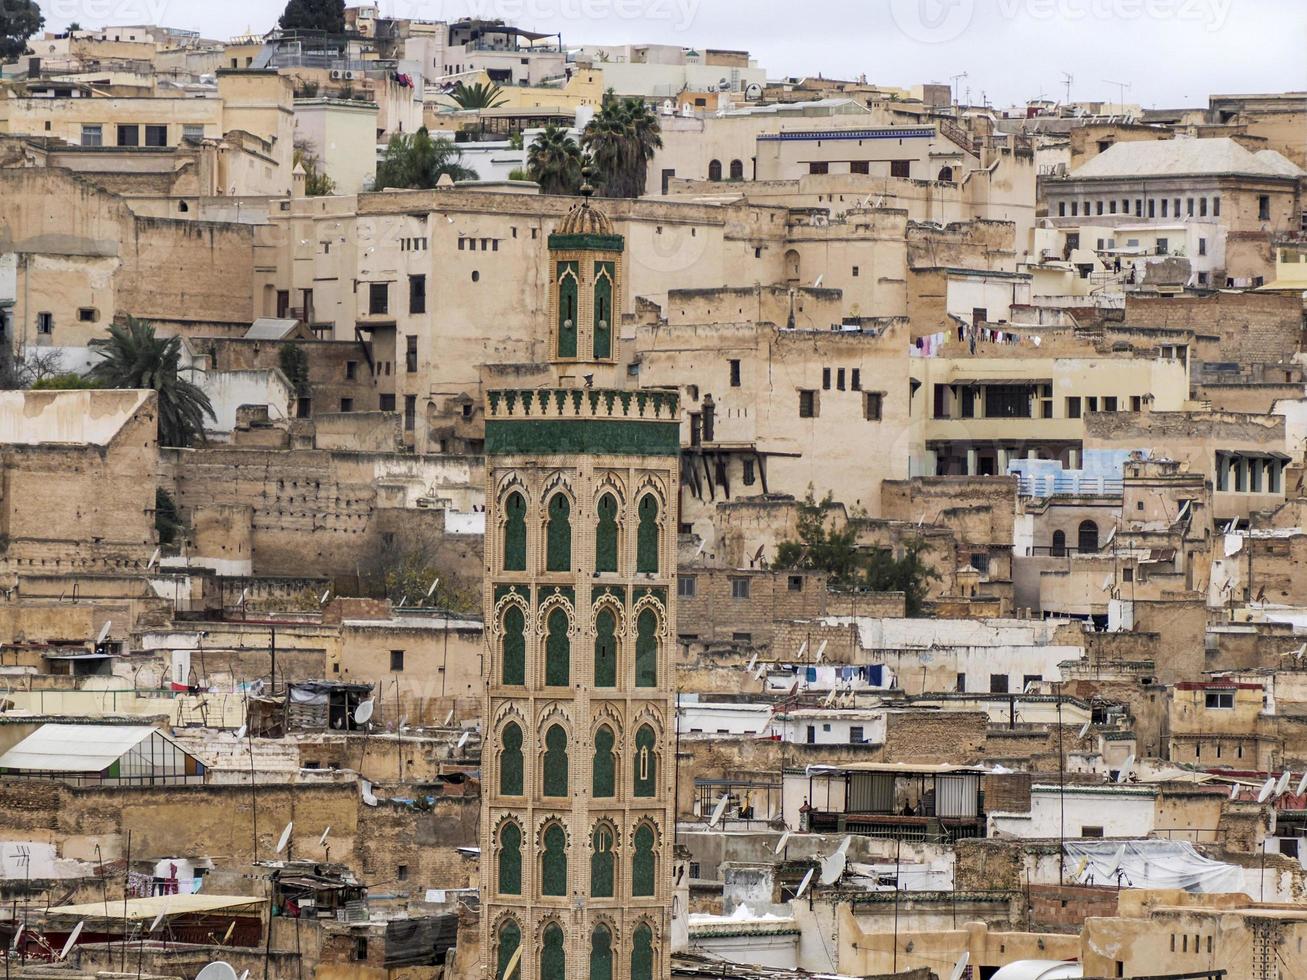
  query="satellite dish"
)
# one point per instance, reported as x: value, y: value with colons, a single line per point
x: 323, y: 839
x: 1283, y: 783
x: 960, y: 967
x: 104, y: 632
x: 754, y: 91
x: 363, y: 712
x: 803, y: 886
x: 217, y: 970
x: 753, y: 661
x: 724, y: 85
x: 449, y: 718
x: 240, y: 733
x: 434, y: 583
x: 154, y: 559
x: 72, y: 939
x: 803, y: 648
x: 1084, y: 730
x: 1234, y: 791
x: 284, y: 839
x: 833, y: 867
x: 667, y: 108
x: 1116, y: 860
x: 1266, y: 789
x: 462, y: 739
x: 821, y: 650
x: 1124, y: 774
x: 1302, y: 785
x: 780, y: 845
x: 325, y: 596
x: 718, y: 810
x: 245, y: 975
x: 159, y: 918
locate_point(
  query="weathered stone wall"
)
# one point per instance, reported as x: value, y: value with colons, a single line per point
x: 1253, y: 327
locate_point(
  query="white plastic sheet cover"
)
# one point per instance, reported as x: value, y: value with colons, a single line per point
x: 1152, y: 864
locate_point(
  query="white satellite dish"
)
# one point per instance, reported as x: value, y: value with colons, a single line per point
x: 1266, y: 789
x: 833, y: 867
x: 217, y: 970
x: 325, y: 596
x: 821, y: 650
x: 72, y: 939
x: 434, y: 583
x: 284, y: 839
x: 960, y: 967
x: 753, y: 661
x: 807, y: 880
x: 154, y: 559
x: 104, y: 632
x: 780, y: 844
x: 1234, y: 791
x: 363, y: 712
x: 1084, y: 730
x: 718, y: 810
x: 240, y: 733
x: 462, y: 739
x: 449, y: 718
x: 1117, y: 859
x: 1302, y: 785
x: 158, y: 918
x: 245, y: 975
x: 1283, y: 783
x: 1124, y: 774
x: 323, y: 839
x: 754, y: 91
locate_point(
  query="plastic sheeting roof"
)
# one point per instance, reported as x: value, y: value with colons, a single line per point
x: 1154, y: 864
x: 75, y: 748
x: 148, y: 908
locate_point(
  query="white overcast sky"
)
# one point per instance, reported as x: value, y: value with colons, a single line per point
x: 1171, y: 52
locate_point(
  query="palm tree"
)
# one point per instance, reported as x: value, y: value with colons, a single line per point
x: 136, y: 358
x: 482, y: 95
x: 417, y: 161
x: 621, y: 140
x: 554, y: 161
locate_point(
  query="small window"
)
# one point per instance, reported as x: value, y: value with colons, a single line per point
x: 818, y: 167
x: 351, y: 370
x: 156, y: 135
x: 93, y: 136
x: 735, y: 372
x: 839, y: 378
x: 378, y: 297
x: 396, y: 660
x: 1109, y: 403
x: 742, y: 637
x: 872, y: 402
x: 45, y: 323
x: 825, y: 379
x: 855, y: 379
x: 998, y: 683
x: 855, y: 272
x: 87, y: 315
x: 795, y: 583
x: 192, y: 131
x: 855, y: 735
x: 900, y: 168
x: 401, y: 872
x: 476, y: 276
x: 960, y: 684
x: 1163, y: 245
x: 1091, y: 831
x: 411, y: 354
x: 347, y: 404
x: 750, y: 473
x: 1128, y: 574
x: 807, y: 404
x: 1219, y: 699
x: 860, y: 167
x: 1202, y: 246
x: 685, y: 586
x: 740, y: 588
x: 360, y: 948
x: 129, y: 135
x: 1263, y: 207
x: 411, y: 412
x: 417, y: 294
x: 386, y: 402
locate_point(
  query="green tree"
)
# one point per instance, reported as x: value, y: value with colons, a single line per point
x: 19, y: 20
x: 314, y: 15
x: 417, y: 161
x: 316, y: 181
x: 554, y: 161
x: 406, y: 570
x: 135, y: 358
x: 621, y: 140
x: 295, y: 365
x: 824, y: 548
x: 63, y: 382
x: 482, y: 95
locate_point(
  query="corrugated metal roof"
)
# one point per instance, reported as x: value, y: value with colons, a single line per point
x: 74, y: 748
x: 270, y: 328
x: 1166, y: 158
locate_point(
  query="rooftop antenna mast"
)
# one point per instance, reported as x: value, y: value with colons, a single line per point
x: 1067, y: 79
x: 1121, y: 88
x: 954, y: 79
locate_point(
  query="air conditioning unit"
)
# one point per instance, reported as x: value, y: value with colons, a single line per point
x: 336, y: 74
x: 348, y: 76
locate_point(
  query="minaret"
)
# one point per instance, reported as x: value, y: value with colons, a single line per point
x: 577, y: 821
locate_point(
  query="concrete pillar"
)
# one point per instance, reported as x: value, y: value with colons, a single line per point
x: 1002, y: 461
x: 971, y: 462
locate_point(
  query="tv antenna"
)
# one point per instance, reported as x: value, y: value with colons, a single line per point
x: 1121, y: 88
x: 1067, y: 79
